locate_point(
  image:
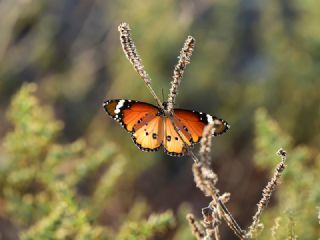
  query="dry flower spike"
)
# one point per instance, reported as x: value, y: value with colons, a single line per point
x: 267, y: 193
x: 196, y: 228
x: 131, y: 53
x: 184, y: 60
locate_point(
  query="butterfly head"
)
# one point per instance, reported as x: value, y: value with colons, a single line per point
x: 164, y: 109
x: 165, y: 106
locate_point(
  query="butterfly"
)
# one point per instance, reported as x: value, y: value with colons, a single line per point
x: 151, y: 128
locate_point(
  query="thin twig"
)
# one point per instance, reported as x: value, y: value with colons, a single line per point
x: 267, y: 193
x: 196, y: 228
x: 205, y: 147
x: 232, y: 223
x: 217, y: 233
x: 225, y: 197
x: 131, y: 53
x: 202, y: 173
x: 206, y: 161
x: 205, y: 184
x: 184, y: 60
x: 211, y: 220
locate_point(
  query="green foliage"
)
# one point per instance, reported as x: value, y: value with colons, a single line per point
x: 65, y: 221
x: 33, y: 124
x: 183, y: 232
x: 145, y: 229
x: 42, y: 180
x: 298, y: 196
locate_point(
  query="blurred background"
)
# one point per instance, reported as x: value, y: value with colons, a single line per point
x: 255, y: 64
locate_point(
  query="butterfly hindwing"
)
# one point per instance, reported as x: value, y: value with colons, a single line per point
x: 148, y: 134
x: 172, y: 142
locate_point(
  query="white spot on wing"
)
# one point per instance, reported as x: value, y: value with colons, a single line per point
x: 209, y: 118
x: 119, y: 106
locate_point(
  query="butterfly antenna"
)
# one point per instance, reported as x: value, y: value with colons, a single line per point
x: 162, y: 95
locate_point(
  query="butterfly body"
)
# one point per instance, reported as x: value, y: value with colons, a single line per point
x: 152, y: 127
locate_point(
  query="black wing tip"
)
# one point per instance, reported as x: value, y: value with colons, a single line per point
x: 106, y: 101
x: 226, y: 128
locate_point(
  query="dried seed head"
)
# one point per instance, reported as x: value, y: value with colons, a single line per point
x: 206, y: 144
x: 196, y: 228
x: 267, y: 193
x: 184, y: 60
x: 225, y: 197
x: 131, y: 53
x: 205, y: 179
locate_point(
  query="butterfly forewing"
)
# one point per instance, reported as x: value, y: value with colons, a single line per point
x: 176, y: 141
x: 194, y: 122
x: 128, y: 112
x: 140, y: 119
x: 148, y: 134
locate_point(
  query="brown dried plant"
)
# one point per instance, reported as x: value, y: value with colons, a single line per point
x: 206, y: 180
x: 196, y: 228
x: 266, y: 195
x: 204, y: 177
x: 131, y: 53
x: 184, y: 60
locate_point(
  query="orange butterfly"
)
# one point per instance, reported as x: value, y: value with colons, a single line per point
x: 150, y: 127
